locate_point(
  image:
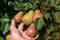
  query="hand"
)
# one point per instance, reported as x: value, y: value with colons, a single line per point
x: 19, y: 34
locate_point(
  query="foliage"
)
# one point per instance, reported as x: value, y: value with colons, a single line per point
x: 48, y: 27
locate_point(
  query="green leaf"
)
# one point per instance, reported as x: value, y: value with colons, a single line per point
x: 39, y: 22
x: 10, y: 3
x: 57, y: 7
x: 17, y: 3
x: 4, y: 18
x: 1, y: 38
x: 4, y: 23
x: 27, y: 6
x: 56, y: 16
x: 34, y: 6
x: 46, y: 15
x: 7, y: 27
x: 50, y: 29
x: 2, y: 26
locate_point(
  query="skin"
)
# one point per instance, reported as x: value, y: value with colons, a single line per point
x: 19, y: 34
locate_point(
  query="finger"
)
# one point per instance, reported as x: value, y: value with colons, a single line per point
x: 35, y: 37
x: 12, y: 23
x: 20, y: 28
x: 12, y: 27
x: 23, y: 33
x: 25, y: 36
x: 15, y: 34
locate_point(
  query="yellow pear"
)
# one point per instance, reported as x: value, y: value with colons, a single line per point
x: 27, y: 18
x: 18, y: 17
x: 8, y: 37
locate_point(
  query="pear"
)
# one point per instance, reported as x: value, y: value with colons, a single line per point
x: 37, y: 14
x: 31, y: 31
x: 27, y: 18
x: 18, y: 17
x: 8, y: 37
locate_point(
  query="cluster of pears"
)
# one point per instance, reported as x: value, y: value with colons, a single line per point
x: 28, y: 19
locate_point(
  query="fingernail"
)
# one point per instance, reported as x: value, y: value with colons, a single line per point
x: 12, y: 22
x: 21, y: 24
x: 12, y: 19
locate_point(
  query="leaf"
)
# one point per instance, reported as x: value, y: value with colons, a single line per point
x: 27, y: 6
x: 17, y: 2
x: 50, y: 29
x: 1, y: 38
x: 57, y: 7
x: 4, y: 18
x: 34, y: 6
x: 10, y: 3
x: 39, y: 22
x: 56, y: 16
x: 7, y: 27
x: 2, y: 26
x: 46, y: 15
x: 4, y: 23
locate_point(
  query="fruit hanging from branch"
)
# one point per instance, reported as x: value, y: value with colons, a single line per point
x: 31, y: 31
x: 18, y: 17
x: 37, y: 14
x: 8, y: 37
x: 27, y: 18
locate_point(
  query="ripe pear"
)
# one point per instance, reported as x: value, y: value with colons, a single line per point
x: 31, y: 31
x: 37, y: 14
x: 8, y: 37
x: 18, y: 17
x: 27, y: 18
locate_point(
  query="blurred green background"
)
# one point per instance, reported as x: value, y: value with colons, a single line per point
x: 48, y: 27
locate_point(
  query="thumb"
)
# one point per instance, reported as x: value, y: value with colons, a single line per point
x: 12, y: 27
x: 15, y: 34
x: 12, y: 23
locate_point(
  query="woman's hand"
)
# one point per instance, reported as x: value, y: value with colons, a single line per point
x: 19, y: 34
